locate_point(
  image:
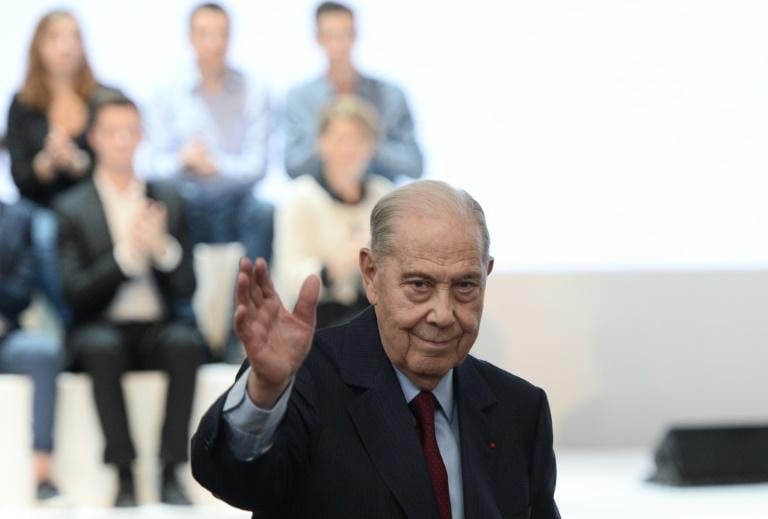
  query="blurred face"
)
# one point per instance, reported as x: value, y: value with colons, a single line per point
x: 336, y: 35
x: 209, y: 35
x: 346, y: 146
x: 114, y: 137
x: 61, y: 48
x: 428, y: 294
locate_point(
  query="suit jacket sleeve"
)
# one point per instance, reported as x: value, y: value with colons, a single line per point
x: 22, y: 148
x: 543, y: 469
x: 87, y: 283
x: 178, y: 285
x: 16, y: 266
x: 265, y: 484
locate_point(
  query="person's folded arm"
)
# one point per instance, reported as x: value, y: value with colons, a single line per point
x: 398, y: 153
x: 250, y: 164
x: 301, y: 122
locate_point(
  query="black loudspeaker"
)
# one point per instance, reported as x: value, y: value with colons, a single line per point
x: 712, y: 456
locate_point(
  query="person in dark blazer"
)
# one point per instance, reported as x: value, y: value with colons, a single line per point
x: 46, y: 133
x: 127, y: 272
x: 387, y: 416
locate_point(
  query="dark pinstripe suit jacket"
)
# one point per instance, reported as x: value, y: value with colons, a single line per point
x: 348, y: 446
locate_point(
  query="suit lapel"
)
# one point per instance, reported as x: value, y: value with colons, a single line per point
x: 95, y: 221
x: 381, y: 417
x: 479, y: 462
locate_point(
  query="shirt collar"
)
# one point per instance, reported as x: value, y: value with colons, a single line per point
x: 443, y: 391
x: 191, y: 78
x: 106, y: 189
x: 334, y: 195
x: 364, y: 88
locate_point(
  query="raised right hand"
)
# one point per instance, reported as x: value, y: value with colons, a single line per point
x: 276, y: 340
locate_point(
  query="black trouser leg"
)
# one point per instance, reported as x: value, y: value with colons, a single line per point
x: 101, y: 351
x: 178, y: 349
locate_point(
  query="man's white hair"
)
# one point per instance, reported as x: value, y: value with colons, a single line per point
x: 425, y: 196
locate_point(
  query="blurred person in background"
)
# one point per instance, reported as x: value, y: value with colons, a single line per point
x: 397, y: 153
x: 209, y: 131
x: 47, y: 123
x: 325, y: 221
x: 126, y: 271
x: 23, y: 352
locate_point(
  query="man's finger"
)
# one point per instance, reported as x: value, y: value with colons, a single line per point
x: 243, y: 327
x: 241, y: 311
x: 256, y: 293
x: 263, y: 279
x: 306, y: 305
x: 242, y: 290
x: 245, y: 265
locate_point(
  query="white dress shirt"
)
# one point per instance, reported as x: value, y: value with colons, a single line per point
x: 138, y: 298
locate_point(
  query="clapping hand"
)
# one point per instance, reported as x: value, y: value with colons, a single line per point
x: 150, y: 229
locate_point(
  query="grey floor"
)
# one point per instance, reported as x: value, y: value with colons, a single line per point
x: 592, y: 484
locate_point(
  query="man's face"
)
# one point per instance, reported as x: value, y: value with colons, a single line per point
x: 428, y: 293
x: 336, y: 35
x: 115, y: 134
x: 209, y: 35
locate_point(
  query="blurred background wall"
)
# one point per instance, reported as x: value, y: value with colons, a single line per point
x: 618, y: 147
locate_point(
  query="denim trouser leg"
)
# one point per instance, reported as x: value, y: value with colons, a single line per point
x: 44, y: 237
x: 225, y: 210
x: 211, y: 209
x: 255, y: 227
x: 40, y: 357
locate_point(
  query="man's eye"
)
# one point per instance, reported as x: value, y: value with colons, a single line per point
x: 418, y: 284
x: 466, y: 286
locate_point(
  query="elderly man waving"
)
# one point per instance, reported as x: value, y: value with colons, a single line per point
x: 387, y: 416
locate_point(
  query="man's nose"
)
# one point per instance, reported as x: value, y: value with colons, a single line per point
x: 441, y: 313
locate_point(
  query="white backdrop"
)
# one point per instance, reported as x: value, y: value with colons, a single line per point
x: 598, y: 134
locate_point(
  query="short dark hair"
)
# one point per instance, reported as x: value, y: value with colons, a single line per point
x: 111, y: 99
x: 332, y: 7
x: 208, y: 6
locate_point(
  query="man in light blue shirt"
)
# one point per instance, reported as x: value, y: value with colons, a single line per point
x: 397, y: 154
x: 387, y: 416
x: 210, y: 133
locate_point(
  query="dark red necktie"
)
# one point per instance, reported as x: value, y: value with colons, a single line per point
x: 423, y: 406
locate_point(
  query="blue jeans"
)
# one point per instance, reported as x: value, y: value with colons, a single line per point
x: 40, y: 357
x: 45, y: 228
x: 223, y: 210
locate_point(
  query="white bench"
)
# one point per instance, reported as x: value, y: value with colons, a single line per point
x: 77, y: 465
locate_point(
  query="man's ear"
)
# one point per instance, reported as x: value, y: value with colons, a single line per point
x: 489, y: 269
x: 368, y: 271
x: 90, y: 138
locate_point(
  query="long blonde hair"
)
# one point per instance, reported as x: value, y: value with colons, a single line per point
x: 35, y: 91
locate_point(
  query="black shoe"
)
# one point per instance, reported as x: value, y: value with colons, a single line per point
x: 126, y: 494
x: 126, y: 499
x: 171, y: 493
x: 47, y: 491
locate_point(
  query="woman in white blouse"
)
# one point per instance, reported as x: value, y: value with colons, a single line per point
x: 325, y: 221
